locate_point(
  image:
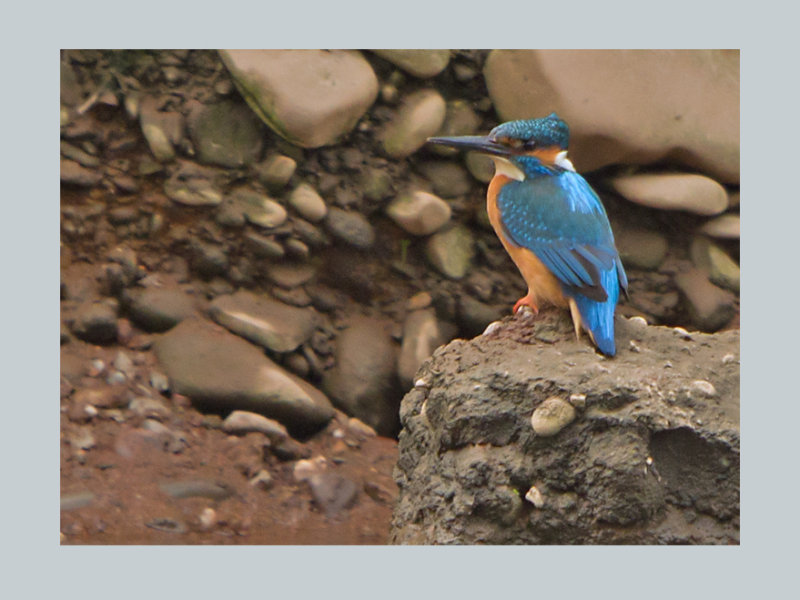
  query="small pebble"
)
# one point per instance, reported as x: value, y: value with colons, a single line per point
x: 208, y: 518
x: 534, y: 496
x: 492, y: 327
x: 304, y: 469
x: 638, y: 321
x: 705, y: 388
x: 578, y: 400
x: 359, y: 427
x: 683, y: 333
x: 241, y: 422
x: 262, y: 480
x: 551, y: 416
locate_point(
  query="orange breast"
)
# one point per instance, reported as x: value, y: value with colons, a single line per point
x: 542, y: 284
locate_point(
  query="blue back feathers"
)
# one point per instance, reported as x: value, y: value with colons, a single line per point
x: 558, y: 216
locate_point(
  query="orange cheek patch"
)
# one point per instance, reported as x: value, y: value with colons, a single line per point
x: 546, y: 155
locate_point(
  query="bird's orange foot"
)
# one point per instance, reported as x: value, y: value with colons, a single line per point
x: 526, y: 301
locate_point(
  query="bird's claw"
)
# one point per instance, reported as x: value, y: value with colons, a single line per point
x: 525, y: 302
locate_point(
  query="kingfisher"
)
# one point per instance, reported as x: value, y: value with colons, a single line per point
x: 552, y: 224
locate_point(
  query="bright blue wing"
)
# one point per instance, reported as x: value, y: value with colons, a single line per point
x: 562, y: 221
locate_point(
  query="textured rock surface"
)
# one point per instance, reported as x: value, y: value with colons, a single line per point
x: 310, y: 97
x: 649, y: 113
x: 652, y: 456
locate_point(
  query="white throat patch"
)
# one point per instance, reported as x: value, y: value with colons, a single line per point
x: 563, y: 162
x: 505, y: 167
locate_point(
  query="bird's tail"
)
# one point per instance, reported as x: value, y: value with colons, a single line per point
x: 598, y: 317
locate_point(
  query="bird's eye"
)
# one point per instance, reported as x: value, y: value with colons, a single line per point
x: 529, y: 145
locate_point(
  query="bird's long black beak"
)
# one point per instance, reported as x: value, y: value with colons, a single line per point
x: 476, y: 143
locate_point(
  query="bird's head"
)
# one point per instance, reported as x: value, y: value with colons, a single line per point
x: 514, y: 143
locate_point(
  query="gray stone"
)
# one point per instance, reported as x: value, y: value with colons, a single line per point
x: 264, y: 321
x: 240, y: 422
x: 460, y: 119
x: 419, y: 63
x: 641, y: 248
x: 158, y: 309
x: 96, y: 322
x: 376, y: 184
x: 192, y: 187
x: 71, y: 93
x: 308, y: 203
x: 350, y: 227
x: 419, y: 213
x: 673, y: 191
x: 449, y: 179
x: 722, y: 270
x: 480, y: 166
x: 451, y: 251
x: 420, y: 117
x: 620, y: 473
x: 209, y: 260
x: 289, y: 275
x: 309, y: 97
x: 219, y: 370
x: 276, y: 171
x: 263, y: 247
x: 159, y: 143
x: 421, y: 336
x: 79, y: 156
x: 709, y: 306
x: 363, y: 383
x: 256, y: 208
x: 73, y: 173
x: 723, y: 227
x: 332, y: 492
x: 163, y: 130
x: 195, y: 488
x: 227, y: 134
x: 475, y: 316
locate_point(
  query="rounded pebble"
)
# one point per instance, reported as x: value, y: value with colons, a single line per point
x: 419, y: 213
x: 308, y: 203
x: 534, y: 496
x: 241, y: 422
x: 551, y: 416
x: 703, y: 387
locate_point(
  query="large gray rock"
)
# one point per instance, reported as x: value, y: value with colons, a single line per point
x: 226, y: 134
x: 309, y: 97
x: 628, y: 106
x: 364, y: 381
x: 222, y: 372
x: 649, y: 455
